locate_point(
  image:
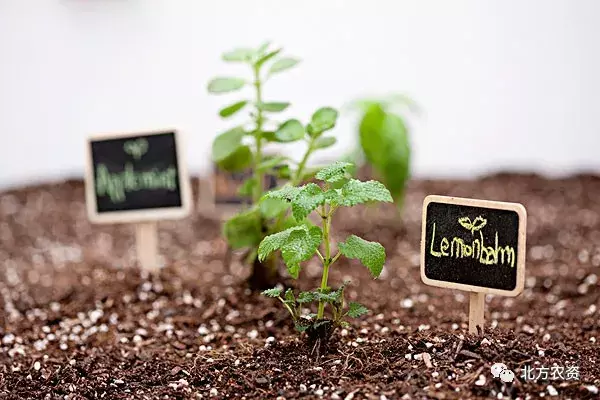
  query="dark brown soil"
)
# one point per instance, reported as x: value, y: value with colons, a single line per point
x: 79, y: 321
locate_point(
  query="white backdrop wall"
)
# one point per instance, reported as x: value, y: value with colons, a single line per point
x: 504, y: 84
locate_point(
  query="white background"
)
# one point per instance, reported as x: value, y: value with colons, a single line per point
x: 504, y: 84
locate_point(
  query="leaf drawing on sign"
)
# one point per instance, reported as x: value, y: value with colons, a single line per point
x: 474, y: 226
x: 136, y: 148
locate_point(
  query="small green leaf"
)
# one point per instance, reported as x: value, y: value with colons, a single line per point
x: 283, y: 172
x: 238, y: 161
x: 227, y: 143
x: 305, y: 297
x: 262, y: 48
x: 324, y: 142
x: 243, y: 230
x: 270, y: 163
x: 289, y: 296
x: 247, y: 188
x: 283, y: 64
x: 322, y: 120
x: 287, y: 193
x: 301, y: 245
x: 274, y: 106
x: 301, y: 328
x: 238, y: 55
x: 275, y: 241
x: 225, y: 85
x: 271, y: 208
x: 334, y: 172
x: 275, y: 292
x: 357, y: 192
x: 232, y: 109
x: 370, y: 254
x: 308, y: 199
x: 355, y: 310
x: 297, y: 244
x: 290, y: 131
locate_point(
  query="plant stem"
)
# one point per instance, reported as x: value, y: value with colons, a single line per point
x: 258, y: 175
x: 327, y: 257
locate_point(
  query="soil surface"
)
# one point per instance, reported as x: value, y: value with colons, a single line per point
x: 78, y: 320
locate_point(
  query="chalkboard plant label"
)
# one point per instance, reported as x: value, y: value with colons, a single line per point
x: 136, y: 177
x: 473, y: 245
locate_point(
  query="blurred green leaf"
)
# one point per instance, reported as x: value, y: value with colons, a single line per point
x: 283, y: 64
x: 262, y: 60
x: 237, y: 161
x: 243, y: 229
x: 290, y: 131
x: 271, y: 208
x: 274, y: 106
x: 322, y: 120
x: 239, y: 55
x: 247, y: 188
x: 227, y: 143
x: 384, y: 140
x: 225, y: 85
x: 324, y: 141
x: 232, y: 109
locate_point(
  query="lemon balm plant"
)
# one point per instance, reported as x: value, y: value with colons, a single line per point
x: 300, y: 243
x: 242, y: 147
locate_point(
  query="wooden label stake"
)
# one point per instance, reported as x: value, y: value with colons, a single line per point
x: 137, y: 178
x: 473, y: 245
x: 476, y: 312
x: 146, y: 238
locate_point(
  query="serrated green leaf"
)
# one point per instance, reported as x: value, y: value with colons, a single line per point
x: 275, y: 292
x: 306, y: 200
x: 334, y: 172
x: 247, y: 188
x: 225, y: 85
x: 324, y: 142
x: 290, y: 131
x: 238, y: 161
x: 283, y: 64
x: 370, y: 254
x: 274, y: 242
x: 274, y: 106
x: 355, y: 310
x: 300, y: 245
x: 289, y: 296
x: 322, y: 120
x: 305, y: 297
x: 243, y: 230
x: 232, y: 109
x: 271, y: 208
x: 239, y: 55
x: 326, y: 296
x: 358, y: 192
x: 227, y: 143
x: 287, y: 193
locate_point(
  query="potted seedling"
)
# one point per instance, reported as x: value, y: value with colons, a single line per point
x: 243, y: 147
x: 300, y: 243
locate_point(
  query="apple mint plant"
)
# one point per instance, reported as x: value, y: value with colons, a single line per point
x: 242, y: 148
x: 302, y: 242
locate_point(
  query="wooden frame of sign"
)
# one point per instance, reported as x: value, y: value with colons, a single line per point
x: 177, y: 199
x: 508, y: 282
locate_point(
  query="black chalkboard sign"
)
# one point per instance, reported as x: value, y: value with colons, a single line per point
x: 136, y: 177
x: 473, y: 245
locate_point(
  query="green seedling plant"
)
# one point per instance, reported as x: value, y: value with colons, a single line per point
x: 243, y: 147
x: 301, y: 243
